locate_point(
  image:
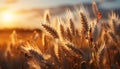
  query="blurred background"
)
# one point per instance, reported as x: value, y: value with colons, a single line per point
x: 27, y: 13
x: 20, y: 24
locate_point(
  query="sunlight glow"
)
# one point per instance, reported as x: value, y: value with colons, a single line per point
x: 8, y: 17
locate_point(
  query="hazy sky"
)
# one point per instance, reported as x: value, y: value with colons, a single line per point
x: 27, y: 4
x: 22, y: 19
x: 13, y: 5
x: 40, y: 3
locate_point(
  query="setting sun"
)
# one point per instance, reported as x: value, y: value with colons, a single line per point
x: 7, y: 17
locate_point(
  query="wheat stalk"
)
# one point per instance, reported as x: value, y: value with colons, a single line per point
x: 69, y: 35
x: 56, y: 60
x: 47, y: 17
x: 72, y: 27
x: 76, y: 50
x: 97, y: 31
x: 84, y: 23
x: 113, y: 37
x: 32, y: 51
x: 33, y: 64
x: 62, y: 31
x: 95, y: 8
x: 50, y: 30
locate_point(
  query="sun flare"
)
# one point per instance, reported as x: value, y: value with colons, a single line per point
x: 7, y: 17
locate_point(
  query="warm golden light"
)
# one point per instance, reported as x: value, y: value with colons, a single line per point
x: 7, y: 17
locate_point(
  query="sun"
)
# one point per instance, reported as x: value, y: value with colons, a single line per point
x: 7, y: 17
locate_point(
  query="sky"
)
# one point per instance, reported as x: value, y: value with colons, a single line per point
x: 53, y: 3
x: 111, y: 4
x: 15, y: 5
x: 43, y: 3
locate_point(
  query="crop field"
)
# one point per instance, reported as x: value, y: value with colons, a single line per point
x: 76, y: 41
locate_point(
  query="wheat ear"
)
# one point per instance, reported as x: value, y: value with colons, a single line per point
x: 72, y: 27
x: 84, y: 22
x: 76, y: 50
x: 51, y: 30
x: 95, y: 8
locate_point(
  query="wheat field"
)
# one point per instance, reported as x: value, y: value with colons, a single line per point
x: 75, y: 42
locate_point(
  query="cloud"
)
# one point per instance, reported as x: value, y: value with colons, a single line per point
x: 35, y: 12
x: 10, y: 1
x: 3, y: 9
